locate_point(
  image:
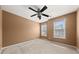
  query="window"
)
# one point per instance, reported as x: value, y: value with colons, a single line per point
x: 44, y: 29
x: 59, y: 29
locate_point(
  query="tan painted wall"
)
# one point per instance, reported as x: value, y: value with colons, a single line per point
x: 0, y: 28
x: 70, y: 29
x: 17, y: 29
x: 78, y: 28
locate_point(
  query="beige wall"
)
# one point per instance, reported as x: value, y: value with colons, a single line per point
x: 70, y: 29
x: 17, y: 29
x: 78, y: 28
x: 0, y: 28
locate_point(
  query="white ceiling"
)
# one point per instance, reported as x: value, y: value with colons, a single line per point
x: 53, y: 10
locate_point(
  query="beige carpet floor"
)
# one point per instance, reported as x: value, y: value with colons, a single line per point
x: 39, y: 46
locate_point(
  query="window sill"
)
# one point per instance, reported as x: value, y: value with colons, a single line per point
x: 59, y: 38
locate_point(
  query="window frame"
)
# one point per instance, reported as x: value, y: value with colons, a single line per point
x: 41, y: 29
x: 54, y: 31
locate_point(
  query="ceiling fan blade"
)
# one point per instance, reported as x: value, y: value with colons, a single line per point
x: 45, y: 15
x: 44, y: 8
x: 32, y: 9
x: 33, y: 15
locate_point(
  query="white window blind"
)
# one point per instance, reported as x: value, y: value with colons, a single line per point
x: 44, y: 29
x: 59, y: 29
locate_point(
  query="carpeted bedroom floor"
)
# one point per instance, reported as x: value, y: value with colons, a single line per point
x: 39, y: 46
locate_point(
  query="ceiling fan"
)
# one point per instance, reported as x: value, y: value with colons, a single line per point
x: 39, y: 12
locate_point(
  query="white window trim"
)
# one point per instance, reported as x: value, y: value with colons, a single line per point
x: 64, y: 37
x: 41, y: 29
